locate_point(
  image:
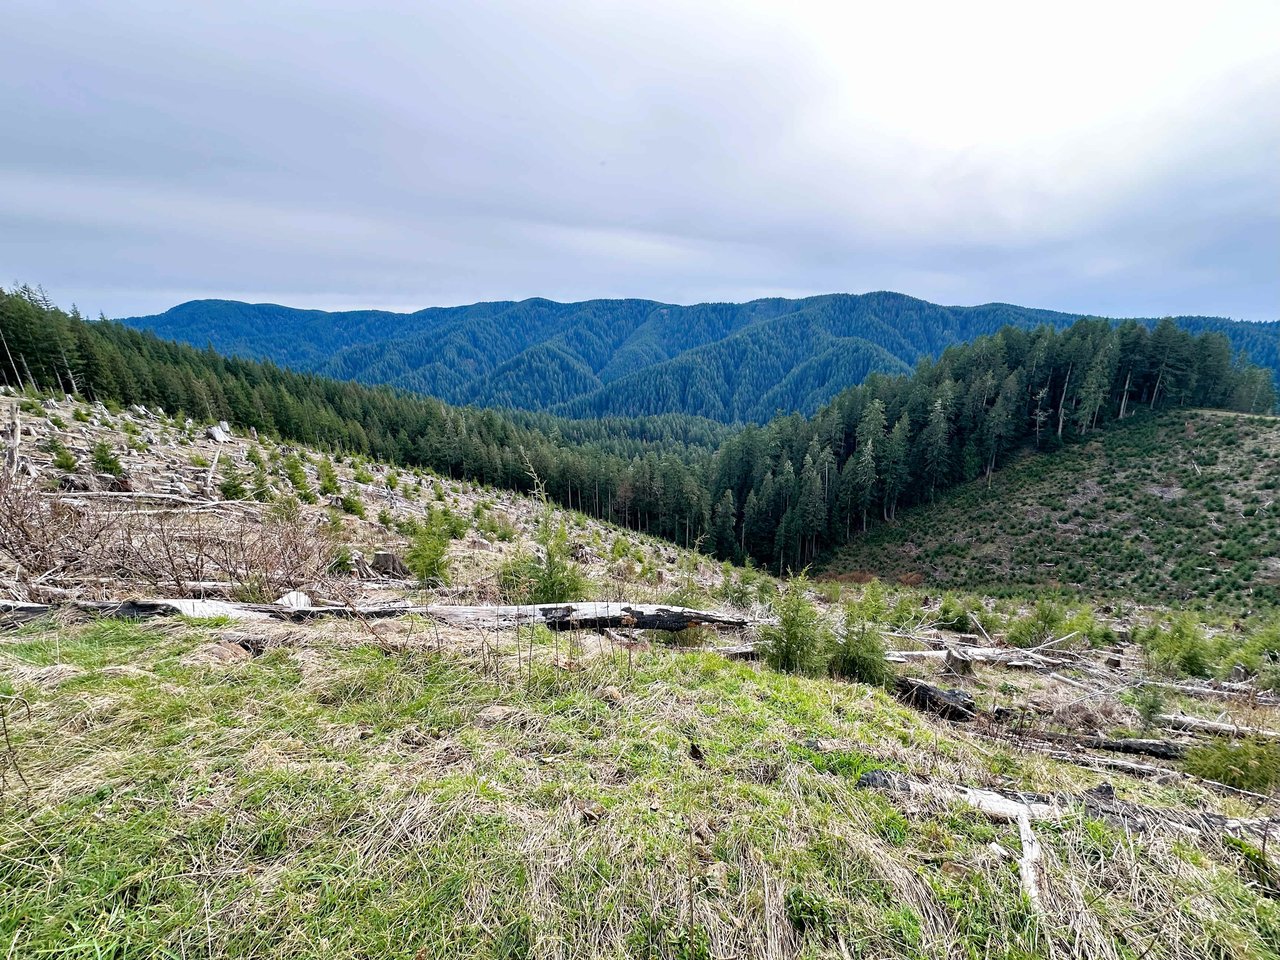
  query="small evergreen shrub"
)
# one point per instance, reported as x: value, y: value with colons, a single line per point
x: 232, y: 486
x: 62, y: 458
x: 328, y: 478
x: 105, y: 461
x: 552, y: 577
x: 858, y: 652
x: 800, y: 642
x: 296, y: 474
x: 428, y: 557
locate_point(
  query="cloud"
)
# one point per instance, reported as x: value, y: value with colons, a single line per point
x: 1114, y: 158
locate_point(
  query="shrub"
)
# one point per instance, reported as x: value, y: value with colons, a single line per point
x: 735, y: 591
x: 328, y: 478
x: 451, y: 524
x: 1181, y: 648
x: 232, y: 486
x: 286, y: 510
x: 858, y: 651
x: 261, y: 491
x: 428, y: 557
x: 800, y: 642
x: 62, y: 458
x: 352, y: 504
x: 552, y: 577
x: 296, y: 474
x: 953, y: 614
x: 873, y: 605
x: 104, y: 461
x: 1252, y: 765
x: 1148, y: 700
x: 906, y: 613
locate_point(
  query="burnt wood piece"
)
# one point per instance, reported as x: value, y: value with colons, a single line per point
x: 947, y: 704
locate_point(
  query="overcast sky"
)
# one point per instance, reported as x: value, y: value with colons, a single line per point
x: 1120, y: 157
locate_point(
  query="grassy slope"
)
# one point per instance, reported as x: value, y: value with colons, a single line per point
x: 350, y: 795
x: 1175, y: 509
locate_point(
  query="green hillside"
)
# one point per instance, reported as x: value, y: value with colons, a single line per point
x: 1179, y: 508
x: 729, y: 362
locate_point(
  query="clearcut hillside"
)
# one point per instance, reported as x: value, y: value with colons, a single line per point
x: 1179, y: 508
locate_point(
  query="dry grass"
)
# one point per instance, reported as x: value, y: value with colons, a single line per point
x: 340, y: 794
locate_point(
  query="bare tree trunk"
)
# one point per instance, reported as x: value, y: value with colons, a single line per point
x: 1062, y: 404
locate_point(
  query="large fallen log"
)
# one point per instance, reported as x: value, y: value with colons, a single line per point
x: 1162, y: 749
x: 585, y: 616
x: 1221, y: 690
x: 1180, y: 721
x: 554, y: 616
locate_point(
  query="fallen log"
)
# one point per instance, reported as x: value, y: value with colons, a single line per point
x: 584, y: 616
x: 562, y: 616
x: 1220, y: 691
x: 1161, y: 749
x: 1180, y: 721
x: 1010, y: 657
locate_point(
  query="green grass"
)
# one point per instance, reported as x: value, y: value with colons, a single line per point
x: 373, y: 803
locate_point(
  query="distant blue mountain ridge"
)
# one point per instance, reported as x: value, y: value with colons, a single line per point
x: 730, y: 362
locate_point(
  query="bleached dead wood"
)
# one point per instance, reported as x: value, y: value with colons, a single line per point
x: 1003, y: 656
x: 1219, y: 691
x: 1102, y: 803
x: 561, y: 616
x: 1180, y: 721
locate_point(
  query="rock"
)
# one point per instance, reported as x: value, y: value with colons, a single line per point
x: 389, y: 565
x: 217, y: 434
x: 294, y: 600
x: 1103, y: 791
x: 590, y: 810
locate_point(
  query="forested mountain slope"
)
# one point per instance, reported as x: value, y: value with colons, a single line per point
x: 729, y: 362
